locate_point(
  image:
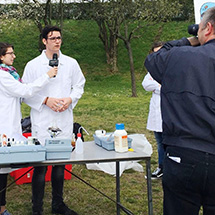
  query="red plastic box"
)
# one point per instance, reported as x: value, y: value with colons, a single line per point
x: 27, y: 178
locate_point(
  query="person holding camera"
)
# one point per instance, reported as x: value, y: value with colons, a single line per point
x: 11, y: 90
x: 186, y: 70
x: 50, y: 108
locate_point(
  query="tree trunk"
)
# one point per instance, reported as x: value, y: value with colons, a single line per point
x: 47, y: 21
x: 110, y: 45
x: 113, y: 53
x: 61, y: 14
x: 47, y: 17
x: 103, y: 36
x: 40, y: 44
x: 131, y: 61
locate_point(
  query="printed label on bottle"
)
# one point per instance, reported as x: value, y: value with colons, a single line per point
x: 121, y: 142
x: 116, y: 141
x: 124, y: 141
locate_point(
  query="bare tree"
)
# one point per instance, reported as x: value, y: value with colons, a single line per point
x: 108, y: 21
x: 39, y: 13
x: 121, y: 19
x: 142, y: 13
x: 36, y: 11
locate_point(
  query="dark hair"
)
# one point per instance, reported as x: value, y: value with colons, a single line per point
x: 3, y: 48
x: 47, y: 29
x: 156, y: 44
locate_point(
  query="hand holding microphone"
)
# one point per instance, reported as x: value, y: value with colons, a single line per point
x: 52, y: 72
x: 54, y: 61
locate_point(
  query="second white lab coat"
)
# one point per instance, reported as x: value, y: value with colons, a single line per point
x: 154, y: 122
x: 10, y: 111
x: 69, y: 82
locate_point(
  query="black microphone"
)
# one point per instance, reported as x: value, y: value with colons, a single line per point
x: 54, y: 61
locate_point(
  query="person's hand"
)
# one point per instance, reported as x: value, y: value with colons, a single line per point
x: 64, y: 104
x: 52, y: 72
x: 54, y: 103
x: 194, y: 41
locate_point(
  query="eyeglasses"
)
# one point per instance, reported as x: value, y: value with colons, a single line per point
x: 11, y: 53
x: 54, y: 39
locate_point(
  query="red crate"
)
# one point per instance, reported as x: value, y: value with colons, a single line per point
x: 27, y: 178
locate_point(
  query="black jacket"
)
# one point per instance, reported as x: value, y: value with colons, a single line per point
x: 187, y: 76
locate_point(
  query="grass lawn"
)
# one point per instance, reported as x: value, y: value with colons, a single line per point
x: 106, y: 101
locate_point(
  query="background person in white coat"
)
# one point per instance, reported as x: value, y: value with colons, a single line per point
x: 154, y: 122
x: 60, y: 97
x: 11, y: 89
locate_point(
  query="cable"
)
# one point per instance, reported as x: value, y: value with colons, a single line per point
x: 16, y: 180
x: 121, y: 206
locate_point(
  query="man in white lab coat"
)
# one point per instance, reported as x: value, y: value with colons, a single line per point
x: 53, y: 106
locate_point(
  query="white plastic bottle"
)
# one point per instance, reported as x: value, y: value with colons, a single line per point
x: 120, y: 138
x: 79, y: 145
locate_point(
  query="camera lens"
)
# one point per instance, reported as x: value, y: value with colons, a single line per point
x: 193, y: 29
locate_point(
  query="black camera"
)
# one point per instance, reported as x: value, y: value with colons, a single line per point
x: 54, y: 61
x: 193, y: 29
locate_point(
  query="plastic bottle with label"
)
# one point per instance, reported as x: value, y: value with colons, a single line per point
x: 120, y: 138
x: 4, y: 140
x: 73, y: 140
x: 79, y: 146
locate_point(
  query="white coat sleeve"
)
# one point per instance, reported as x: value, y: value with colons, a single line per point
x: 78, y: 84
x: 36, y: 101
x: 149, y: 84
x: 14, y: 88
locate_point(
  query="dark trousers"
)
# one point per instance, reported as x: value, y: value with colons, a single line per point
x: 188, y: 182
x: 38, y: 186
x: 160, y: 147
x: 3, y: 184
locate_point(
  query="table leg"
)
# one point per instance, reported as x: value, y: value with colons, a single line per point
x: 149, y: 186
x: 117, y: 188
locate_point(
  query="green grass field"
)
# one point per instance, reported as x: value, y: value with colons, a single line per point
x: 107, y: 100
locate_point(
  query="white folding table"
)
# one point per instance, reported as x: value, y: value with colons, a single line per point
x: 96, y: 154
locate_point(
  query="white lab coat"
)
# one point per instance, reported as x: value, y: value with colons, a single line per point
x: 69, y: 82
x: 10, y: 113
x: 154, y: 122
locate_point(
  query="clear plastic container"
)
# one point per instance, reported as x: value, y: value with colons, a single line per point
x: 120, y: 138
x: 79, y: 147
